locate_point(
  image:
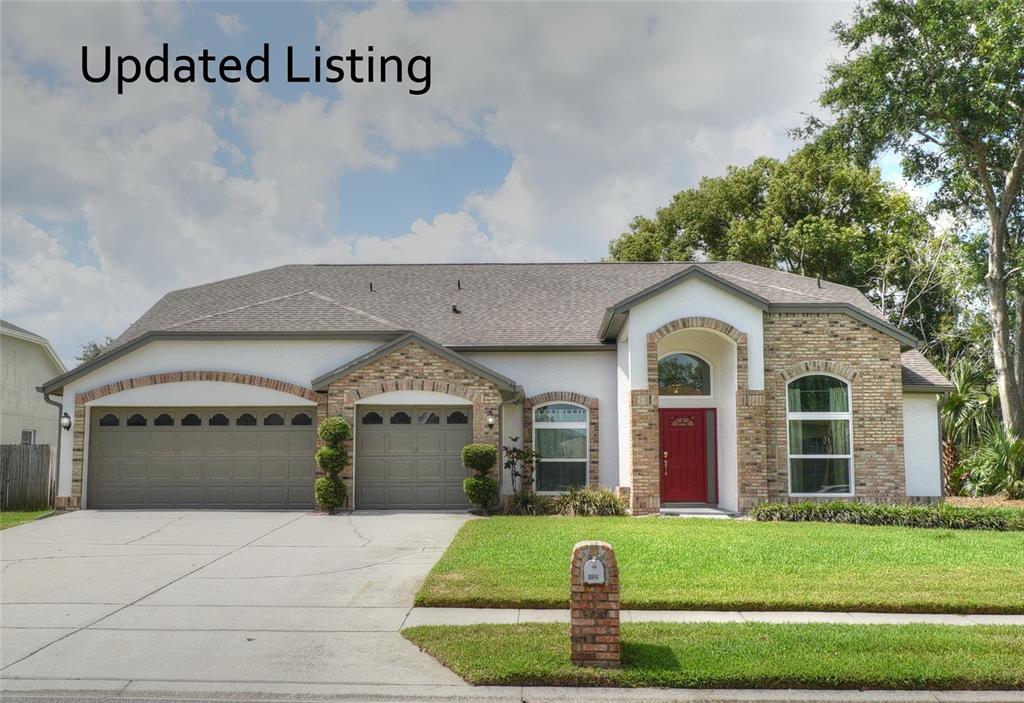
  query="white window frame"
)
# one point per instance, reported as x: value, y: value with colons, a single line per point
x: 695, y: 355
x: 791, y: 415
x: 32, y: 437
x: 584, y: 425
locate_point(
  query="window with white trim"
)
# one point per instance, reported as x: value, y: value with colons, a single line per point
x: 820, y: 436
x: 561, y: 435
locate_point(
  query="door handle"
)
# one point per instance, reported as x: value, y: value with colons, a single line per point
x: 665, y: 464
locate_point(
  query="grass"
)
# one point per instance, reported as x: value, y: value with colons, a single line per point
x: 694, y: 564
x: 734, y: 655
x: 17, y: 517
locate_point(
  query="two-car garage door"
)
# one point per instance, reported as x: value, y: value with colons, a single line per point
x: 174, y: 457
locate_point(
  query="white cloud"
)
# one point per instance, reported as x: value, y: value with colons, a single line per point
x: 607, y: 110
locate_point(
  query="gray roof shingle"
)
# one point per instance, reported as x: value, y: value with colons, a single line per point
x: 499, y: 304
x: 919, y: 372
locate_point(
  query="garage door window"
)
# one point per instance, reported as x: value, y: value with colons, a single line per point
x: 109, y: 420
x: 163, y: 420
x: 457, y: 418
x: 191, y: 420
x: 302, y: 419
x: 372, y: 418
x: 401, y: 418
x: 273, y: 419
x: 136, y: 420
x: 561, y: 437
x: 219, y: 420
x: 246, y: 420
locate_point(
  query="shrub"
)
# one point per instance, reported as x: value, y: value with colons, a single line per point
x: 943, y: 515
x: 997, y: 465
x: 482, y: 491
x: 332, y: 459
x: 334, y: 431
x: 592, y: 501
x: 480, y: 458
x: 331, y: 492
x: 528, y: 503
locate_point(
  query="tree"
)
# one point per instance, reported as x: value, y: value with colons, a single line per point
x: 332, y: 458
x: 817, y: 213
x: 941, y: 82
x: 92, y: 349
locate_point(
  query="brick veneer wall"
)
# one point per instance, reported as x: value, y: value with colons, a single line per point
x: 412, y: 367
x: 800, y: 343
x: 594, y: 473
x: 594, y: 613
x: 74, y: 501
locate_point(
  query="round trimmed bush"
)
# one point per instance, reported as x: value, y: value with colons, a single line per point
x: 482, y: 491
x: 480, y: 457
x: 331, y: 492
x: 335, y: 431
x: 332, y: 459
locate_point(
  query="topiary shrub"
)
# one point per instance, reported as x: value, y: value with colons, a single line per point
x: 332, y: 459
x: 334, y: 431
x: 331, y: 492
x: 480, y: 458
x: 482, y: 491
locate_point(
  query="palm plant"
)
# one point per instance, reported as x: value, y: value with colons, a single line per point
x: 998, y: 464
x: 967, y: 413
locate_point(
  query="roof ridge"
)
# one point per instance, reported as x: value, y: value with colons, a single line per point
x: 237, y: 309
x: 351, y: 309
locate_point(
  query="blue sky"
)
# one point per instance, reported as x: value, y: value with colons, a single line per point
x: 546, y: 129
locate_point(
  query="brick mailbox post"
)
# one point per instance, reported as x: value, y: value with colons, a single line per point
x: 594, y: 605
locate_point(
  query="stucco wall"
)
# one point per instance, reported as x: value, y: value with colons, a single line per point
x: 695, y: 298
x: 25, y: 366
x: 922, y: 453
x: 625, y: 438
x: 591, y: 374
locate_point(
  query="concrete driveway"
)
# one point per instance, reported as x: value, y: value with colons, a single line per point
x: 197, y: 601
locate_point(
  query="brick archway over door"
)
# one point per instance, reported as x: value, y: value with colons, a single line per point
x: 645, y: 496
x: 74, y: 501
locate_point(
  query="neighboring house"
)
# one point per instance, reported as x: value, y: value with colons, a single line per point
x: 27, y: 361
x: 719, y: 383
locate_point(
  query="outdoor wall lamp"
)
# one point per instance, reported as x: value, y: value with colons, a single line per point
x: 490, y: 418
x: 65, y: 421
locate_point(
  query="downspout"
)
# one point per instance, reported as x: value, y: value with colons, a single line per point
x: 60, y: 432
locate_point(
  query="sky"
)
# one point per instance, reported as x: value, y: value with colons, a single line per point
x: 546, y: 129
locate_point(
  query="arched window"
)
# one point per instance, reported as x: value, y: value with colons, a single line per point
x: 457, y: 417
x: 684, y: 374
x: 372, y: 418
x: 246, y: 420
x: 136, y: 420
x: 273, y: 419
x: 191, y: 420
x: 561, y: 435
x: 302, y: 419
x: 820, y: 436
x: 401, y: 418
x: 218, y: 420
x: 163, y: 420
x: 109, y: 420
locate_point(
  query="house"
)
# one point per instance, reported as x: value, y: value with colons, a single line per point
x: 714, y: 383
x: 28, y: 361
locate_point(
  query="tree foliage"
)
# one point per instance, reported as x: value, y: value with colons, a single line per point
x: 92, y: 349
x: 941, y: 82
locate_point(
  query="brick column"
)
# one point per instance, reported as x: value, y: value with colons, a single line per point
x: 594, y: 608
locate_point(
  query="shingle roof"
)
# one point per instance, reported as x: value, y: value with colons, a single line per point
x: 499, y: 304
x: 5, y: 325
x: 918, y: 372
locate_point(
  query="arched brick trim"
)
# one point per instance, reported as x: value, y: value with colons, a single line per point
x: 183, y: 376
x: 594, y: 469
x: 836, y: 368
x: 78, y: 437
x: 412, y: 384
x: 706, y: 323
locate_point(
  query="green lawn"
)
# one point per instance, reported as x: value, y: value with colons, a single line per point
x: 16, y: 517
x: 735, y: 564
x: 732, y: 655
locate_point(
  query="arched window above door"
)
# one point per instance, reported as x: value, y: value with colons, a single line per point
x: 685, y: 374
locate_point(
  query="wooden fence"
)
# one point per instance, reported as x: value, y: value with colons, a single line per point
x: 26, y: 478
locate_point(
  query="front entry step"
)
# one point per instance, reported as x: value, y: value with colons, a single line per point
x: 695, y: 510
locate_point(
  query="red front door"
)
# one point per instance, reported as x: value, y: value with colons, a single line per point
x: 684, y: 456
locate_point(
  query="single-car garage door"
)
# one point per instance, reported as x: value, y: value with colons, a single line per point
x: 243, y: 458
x: 411, y: 457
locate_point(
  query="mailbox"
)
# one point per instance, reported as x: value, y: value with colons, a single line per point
x: 593, y: 572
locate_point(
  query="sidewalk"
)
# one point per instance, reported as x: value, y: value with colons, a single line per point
x: 510, y: 616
